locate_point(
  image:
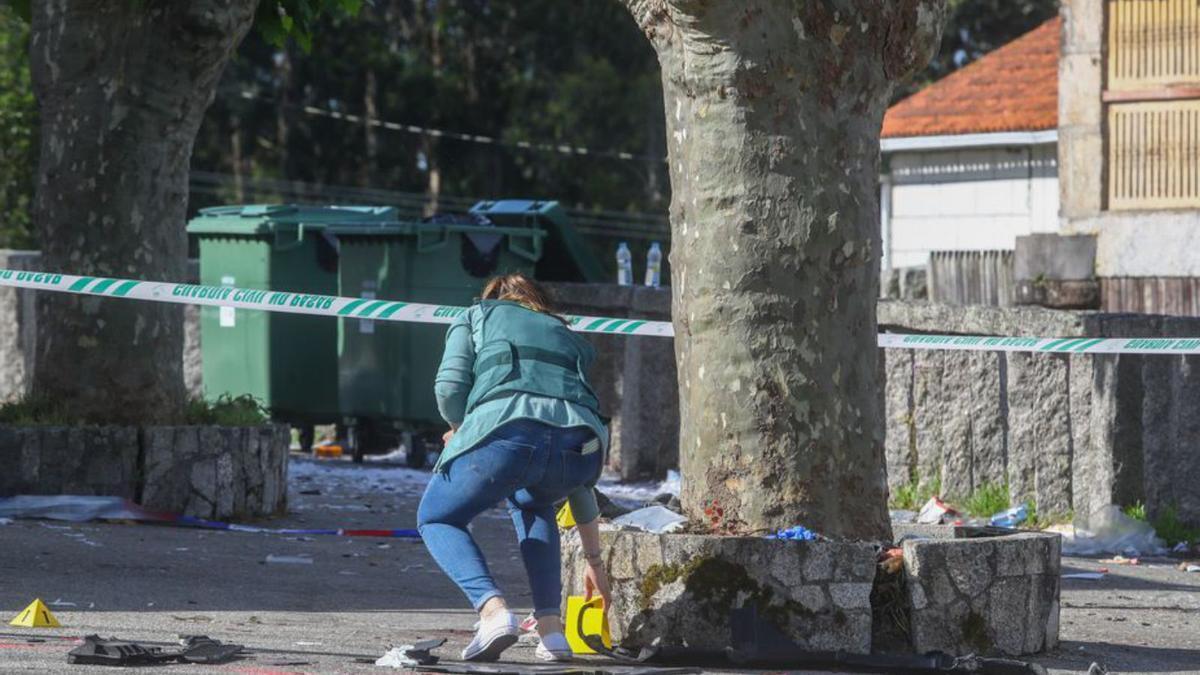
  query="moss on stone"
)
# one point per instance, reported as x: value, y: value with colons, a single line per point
x: 714, y: 585
x: 975, y: 633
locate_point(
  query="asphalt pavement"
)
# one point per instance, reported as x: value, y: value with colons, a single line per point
x: 339, y: 603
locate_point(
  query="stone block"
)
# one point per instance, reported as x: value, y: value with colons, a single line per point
x: 899, y: 445
x: 1055, y: 257
x: 1040, y: 443
x: 929, y: 413
x: 682, y: 588
x: 994, y: 595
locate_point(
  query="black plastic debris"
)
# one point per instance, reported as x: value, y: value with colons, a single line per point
x: 201, y: 649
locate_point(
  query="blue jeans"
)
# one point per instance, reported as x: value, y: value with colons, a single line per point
x: 532, y: 465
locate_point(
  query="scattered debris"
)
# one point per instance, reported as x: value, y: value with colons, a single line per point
x: 1010, y: 518
x: 5, y: 521
x: 903, y: 516
x: 891, y: 560
x: 797, y: 533
x: 411, y: 656
x: 1189, y: 567
x: 657, y: 519
x: 935, y: 512
x: 289, y: 559
x: 1090, y: 576
x: 312, y: 492
x: 1109, y: 530
x: 1121, y: 560
x: 113, y: 652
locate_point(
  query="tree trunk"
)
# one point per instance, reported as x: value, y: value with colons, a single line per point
x: 122, y: 87
x: 774, y: 110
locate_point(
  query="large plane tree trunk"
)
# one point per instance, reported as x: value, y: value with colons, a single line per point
x: 122, y: 87
x: 773, y: 111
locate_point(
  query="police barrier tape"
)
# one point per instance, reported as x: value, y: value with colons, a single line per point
x: 394, y: 310
x: 293, y: 303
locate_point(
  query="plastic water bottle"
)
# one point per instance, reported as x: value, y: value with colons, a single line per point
x: 624, y: 265
x: 654, y: 266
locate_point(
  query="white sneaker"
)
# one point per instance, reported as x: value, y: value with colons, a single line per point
x: 554, y: 647
x: 492, y: 637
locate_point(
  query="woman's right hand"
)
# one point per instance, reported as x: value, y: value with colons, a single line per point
x: 595, y: 580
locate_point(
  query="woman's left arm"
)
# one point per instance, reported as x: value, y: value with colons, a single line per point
x: 452, y: 386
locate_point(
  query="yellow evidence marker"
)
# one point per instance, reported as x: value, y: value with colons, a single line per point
x: 565, y: 519
x: 36, y: 615
x: 595, y: 622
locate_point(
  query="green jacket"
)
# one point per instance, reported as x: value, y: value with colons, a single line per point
x: 491, y: 373
x: 522, y: 351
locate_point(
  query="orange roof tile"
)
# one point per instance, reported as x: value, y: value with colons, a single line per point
x: 1014, y: 88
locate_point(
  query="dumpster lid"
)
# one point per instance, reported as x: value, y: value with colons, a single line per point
x: 566, y: 256
x: 268, y: 218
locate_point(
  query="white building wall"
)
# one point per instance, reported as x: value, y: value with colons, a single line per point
x: 970, y: 199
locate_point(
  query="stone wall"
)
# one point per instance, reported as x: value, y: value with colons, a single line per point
x: 18, y: 330
x: 1071, y: 432
x: 207, y: 471
x: 634, y: 377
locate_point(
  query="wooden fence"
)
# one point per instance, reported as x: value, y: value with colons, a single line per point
x: 971, y: 278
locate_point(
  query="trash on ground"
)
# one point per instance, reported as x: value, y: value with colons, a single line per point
x: 36, y: 615
x: 657, y: 519
x: 313, y: 492
x: 1188, y: 567
x: 1109, y: 530
x: 1122, y: 560
x: 1181, y: 547
x: 1010, y: 518
x: 411, y: 656
x: 83, y: 508
x: 796, y: 532
x: 891, y: 560
x: 5, y: 521
x: 289, y: 559
x: 113, y: 652
x: 903, y: 516
x: 1090, y: 576
x: 935, y: 512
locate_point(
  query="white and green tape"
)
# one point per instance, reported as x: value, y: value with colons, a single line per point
x: 228, y: 296
x: 393, y: 310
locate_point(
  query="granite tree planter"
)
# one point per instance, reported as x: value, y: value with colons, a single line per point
x: 996, y: 595
x: 677, y: 589
x: 205, y: 471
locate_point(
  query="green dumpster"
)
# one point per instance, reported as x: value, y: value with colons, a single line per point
x: 386, y: 369
x: 288, y: 361
x: 566, y: 256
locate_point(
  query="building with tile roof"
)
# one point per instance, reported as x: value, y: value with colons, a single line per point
x: 970, y: 160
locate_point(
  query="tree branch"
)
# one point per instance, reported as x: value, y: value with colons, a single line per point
x: 913, y: 35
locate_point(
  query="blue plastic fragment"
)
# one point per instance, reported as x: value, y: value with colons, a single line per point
x: 1012, y: 517
x: 797, y: 533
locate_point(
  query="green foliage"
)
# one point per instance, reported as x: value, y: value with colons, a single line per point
x: 34, y: 411
x: 18, y: 140
x: 987, y: 500
x: 1172, y: 530
x: 912, y: 495
x: 577, y: 73
x: 227, y: 411
x: 1137, y: 511
x: 278, y: 20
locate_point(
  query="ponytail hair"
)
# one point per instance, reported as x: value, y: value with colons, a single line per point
x: 522, y: 290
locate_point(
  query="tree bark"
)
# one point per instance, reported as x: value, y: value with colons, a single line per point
x: 774, y: 110
x: 122, y: 87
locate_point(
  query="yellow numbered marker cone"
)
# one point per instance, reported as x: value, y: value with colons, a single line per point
x: 565, y: 519
x: 36, y: 615
x: 589, y: 617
